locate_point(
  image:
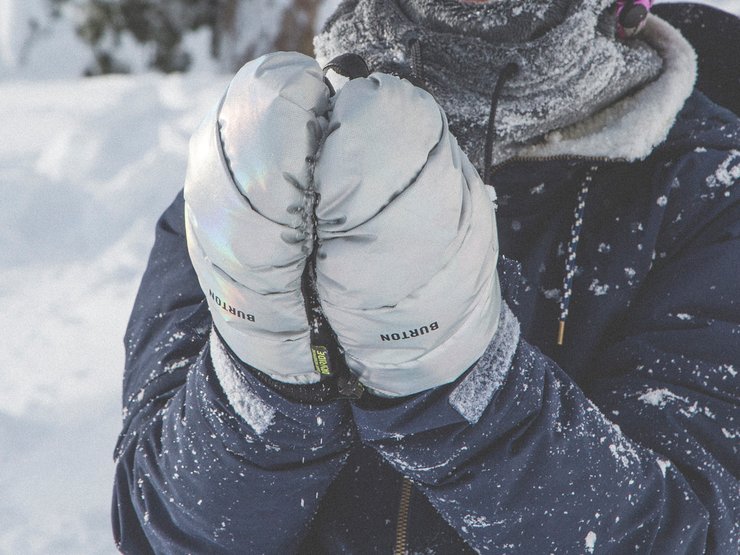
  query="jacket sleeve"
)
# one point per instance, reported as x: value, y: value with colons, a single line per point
x: 210, y: 459
x: 519, y: 459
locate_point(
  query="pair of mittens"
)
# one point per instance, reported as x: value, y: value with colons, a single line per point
x: 367, y: 185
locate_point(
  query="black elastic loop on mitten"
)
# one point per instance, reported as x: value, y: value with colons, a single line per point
x: 328, y: 84
x: 322, y: 342
x: 348, y: 65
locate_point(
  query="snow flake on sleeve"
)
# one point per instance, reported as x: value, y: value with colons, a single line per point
x: 538, y: 190
x: 247, y: 404
x: 476, y: 521
x: 177, y: 364
x: 728, y: 172
x: 684, y: 316
x: 660, y: 397
x: 663, y: 397
x: 621, y: 449
x: 619, y: 452
x: 664, y: 465
x: 630, y: 274
x: 590, y: 542
x: 551, y: 294
x: 598, y: 288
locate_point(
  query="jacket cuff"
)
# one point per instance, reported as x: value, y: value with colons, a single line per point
x: 474, y: 393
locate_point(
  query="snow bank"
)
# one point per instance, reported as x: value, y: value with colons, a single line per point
x: 33, y: 45
x: 86, y: 167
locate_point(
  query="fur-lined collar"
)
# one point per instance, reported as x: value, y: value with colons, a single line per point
x: 631, y: 128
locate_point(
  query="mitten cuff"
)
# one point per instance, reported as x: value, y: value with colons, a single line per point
x: 233, y: 374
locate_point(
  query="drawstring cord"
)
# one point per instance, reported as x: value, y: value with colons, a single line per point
x: 507, y: 73
x: 570, y: 260
x: 417, y: 77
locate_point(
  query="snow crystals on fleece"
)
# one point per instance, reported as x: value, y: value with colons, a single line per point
x: 247, y: 404
x: 652, y: 110
x: 475, y: 392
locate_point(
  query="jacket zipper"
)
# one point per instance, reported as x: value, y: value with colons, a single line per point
x: 402, y: 524
x: 554, y: 158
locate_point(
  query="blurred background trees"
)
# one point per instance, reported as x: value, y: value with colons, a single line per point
x: 61, y: 38
x: 236, y: 30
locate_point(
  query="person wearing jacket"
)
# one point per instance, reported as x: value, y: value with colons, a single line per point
x: 474, y: 292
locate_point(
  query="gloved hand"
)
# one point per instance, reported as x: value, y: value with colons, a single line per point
x: 248, y: 210
x: 372, y: 183
x: 407, y: 242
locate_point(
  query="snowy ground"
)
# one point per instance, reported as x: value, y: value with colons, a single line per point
x: 86, y: 166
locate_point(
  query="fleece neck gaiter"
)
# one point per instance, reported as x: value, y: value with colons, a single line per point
x: 570, y: 63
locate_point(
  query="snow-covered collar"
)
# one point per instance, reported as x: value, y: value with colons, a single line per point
x: 631, y: 128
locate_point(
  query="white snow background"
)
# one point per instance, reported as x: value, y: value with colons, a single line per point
x: 86, y: 167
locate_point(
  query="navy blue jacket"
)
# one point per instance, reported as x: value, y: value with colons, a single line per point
x: 623, y: 440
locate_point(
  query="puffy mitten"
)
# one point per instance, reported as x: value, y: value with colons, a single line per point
x: 248, y: 207
x: 407, y: 244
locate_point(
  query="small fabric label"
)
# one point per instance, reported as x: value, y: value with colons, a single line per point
x: 320, y: 355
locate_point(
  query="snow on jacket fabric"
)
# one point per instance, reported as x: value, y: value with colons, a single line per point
x: 624, y: 439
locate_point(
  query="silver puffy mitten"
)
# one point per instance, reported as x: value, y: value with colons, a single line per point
x: 407, y: 240
x: 248, y: 205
